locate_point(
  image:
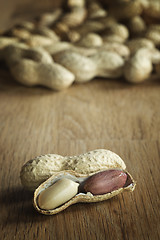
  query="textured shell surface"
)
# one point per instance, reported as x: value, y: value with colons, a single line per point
x: 94, y: 161
x: 37, y: 170
x: 80, y: 197
x: 82, y: 67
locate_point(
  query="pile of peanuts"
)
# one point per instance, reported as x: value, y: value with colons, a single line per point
x: 85, y: 39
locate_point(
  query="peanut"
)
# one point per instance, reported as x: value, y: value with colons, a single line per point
x: 53, y: 75
x: 66, y: 187
x: 21, y: 33
x: 17, y: 53
x: 95, y: 10
x: 62, y: 46
x: 116, y: 29
x: 46, y: 32
x: 139, y: 66
x: 101, y: 36
x: 58, y: 47
x: 109, y: 64
x: 135, y: 44
x: 119, y: 48
x: 104, y: 182
x: 113, y: 38
x: 90, y: 26
x: 75, y: 3
x: 125, y: 9
x: 107, y: 21
x: 37, y: 170
x: 102, y: 63
x: 37, y: 40
x: 90, y: 40
x: 82, y: 67
x: 30, y: 66
x: 36, y: 67
x: 152, y: 9
x: 57, y: 194
x: 75, y: 17
x: 155, y: 56
x: 5, y: 41
x: 36, y: 36
x: 153, y: 33
x: 137, y: 26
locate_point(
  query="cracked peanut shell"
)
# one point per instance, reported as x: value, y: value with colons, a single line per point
x: 86, y: 197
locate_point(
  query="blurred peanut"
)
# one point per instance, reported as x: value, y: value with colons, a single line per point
x: 152, y: 9
x: 95, y: 10
x: 86, y: 39
x: 91, y: 40
x: 102, y: 64
x: 5, y: 41
x: 137, y: 26
x: 125, y: 9
x: 82, y: 67
x: 139, y: 67
x: 119, y: 30
x: 153, y: 33
x: 34, y: 66
x: 137, y: 43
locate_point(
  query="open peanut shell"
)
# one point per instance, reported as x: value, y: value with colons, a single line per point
x: 79, y: 197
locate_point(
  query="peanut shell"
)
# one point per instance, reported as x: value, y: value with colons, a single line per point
x: 39, y: 169
x: 80, y: 197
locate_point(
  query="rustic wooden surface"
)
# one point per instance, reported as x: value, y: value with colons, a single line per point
x: 101, y: 114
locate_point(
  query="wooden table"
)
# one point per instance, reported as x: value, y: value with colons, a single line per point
x: 100, y: 114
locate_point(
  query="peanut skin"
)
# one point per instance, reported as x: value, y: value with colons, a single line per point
x: 105, y: 182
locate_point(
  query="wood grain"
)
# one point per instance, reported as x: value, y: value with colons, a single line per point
x: 101, y: 114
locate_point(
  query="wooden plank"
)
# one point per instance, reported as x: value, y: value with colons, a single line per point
x: 101, y: 114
